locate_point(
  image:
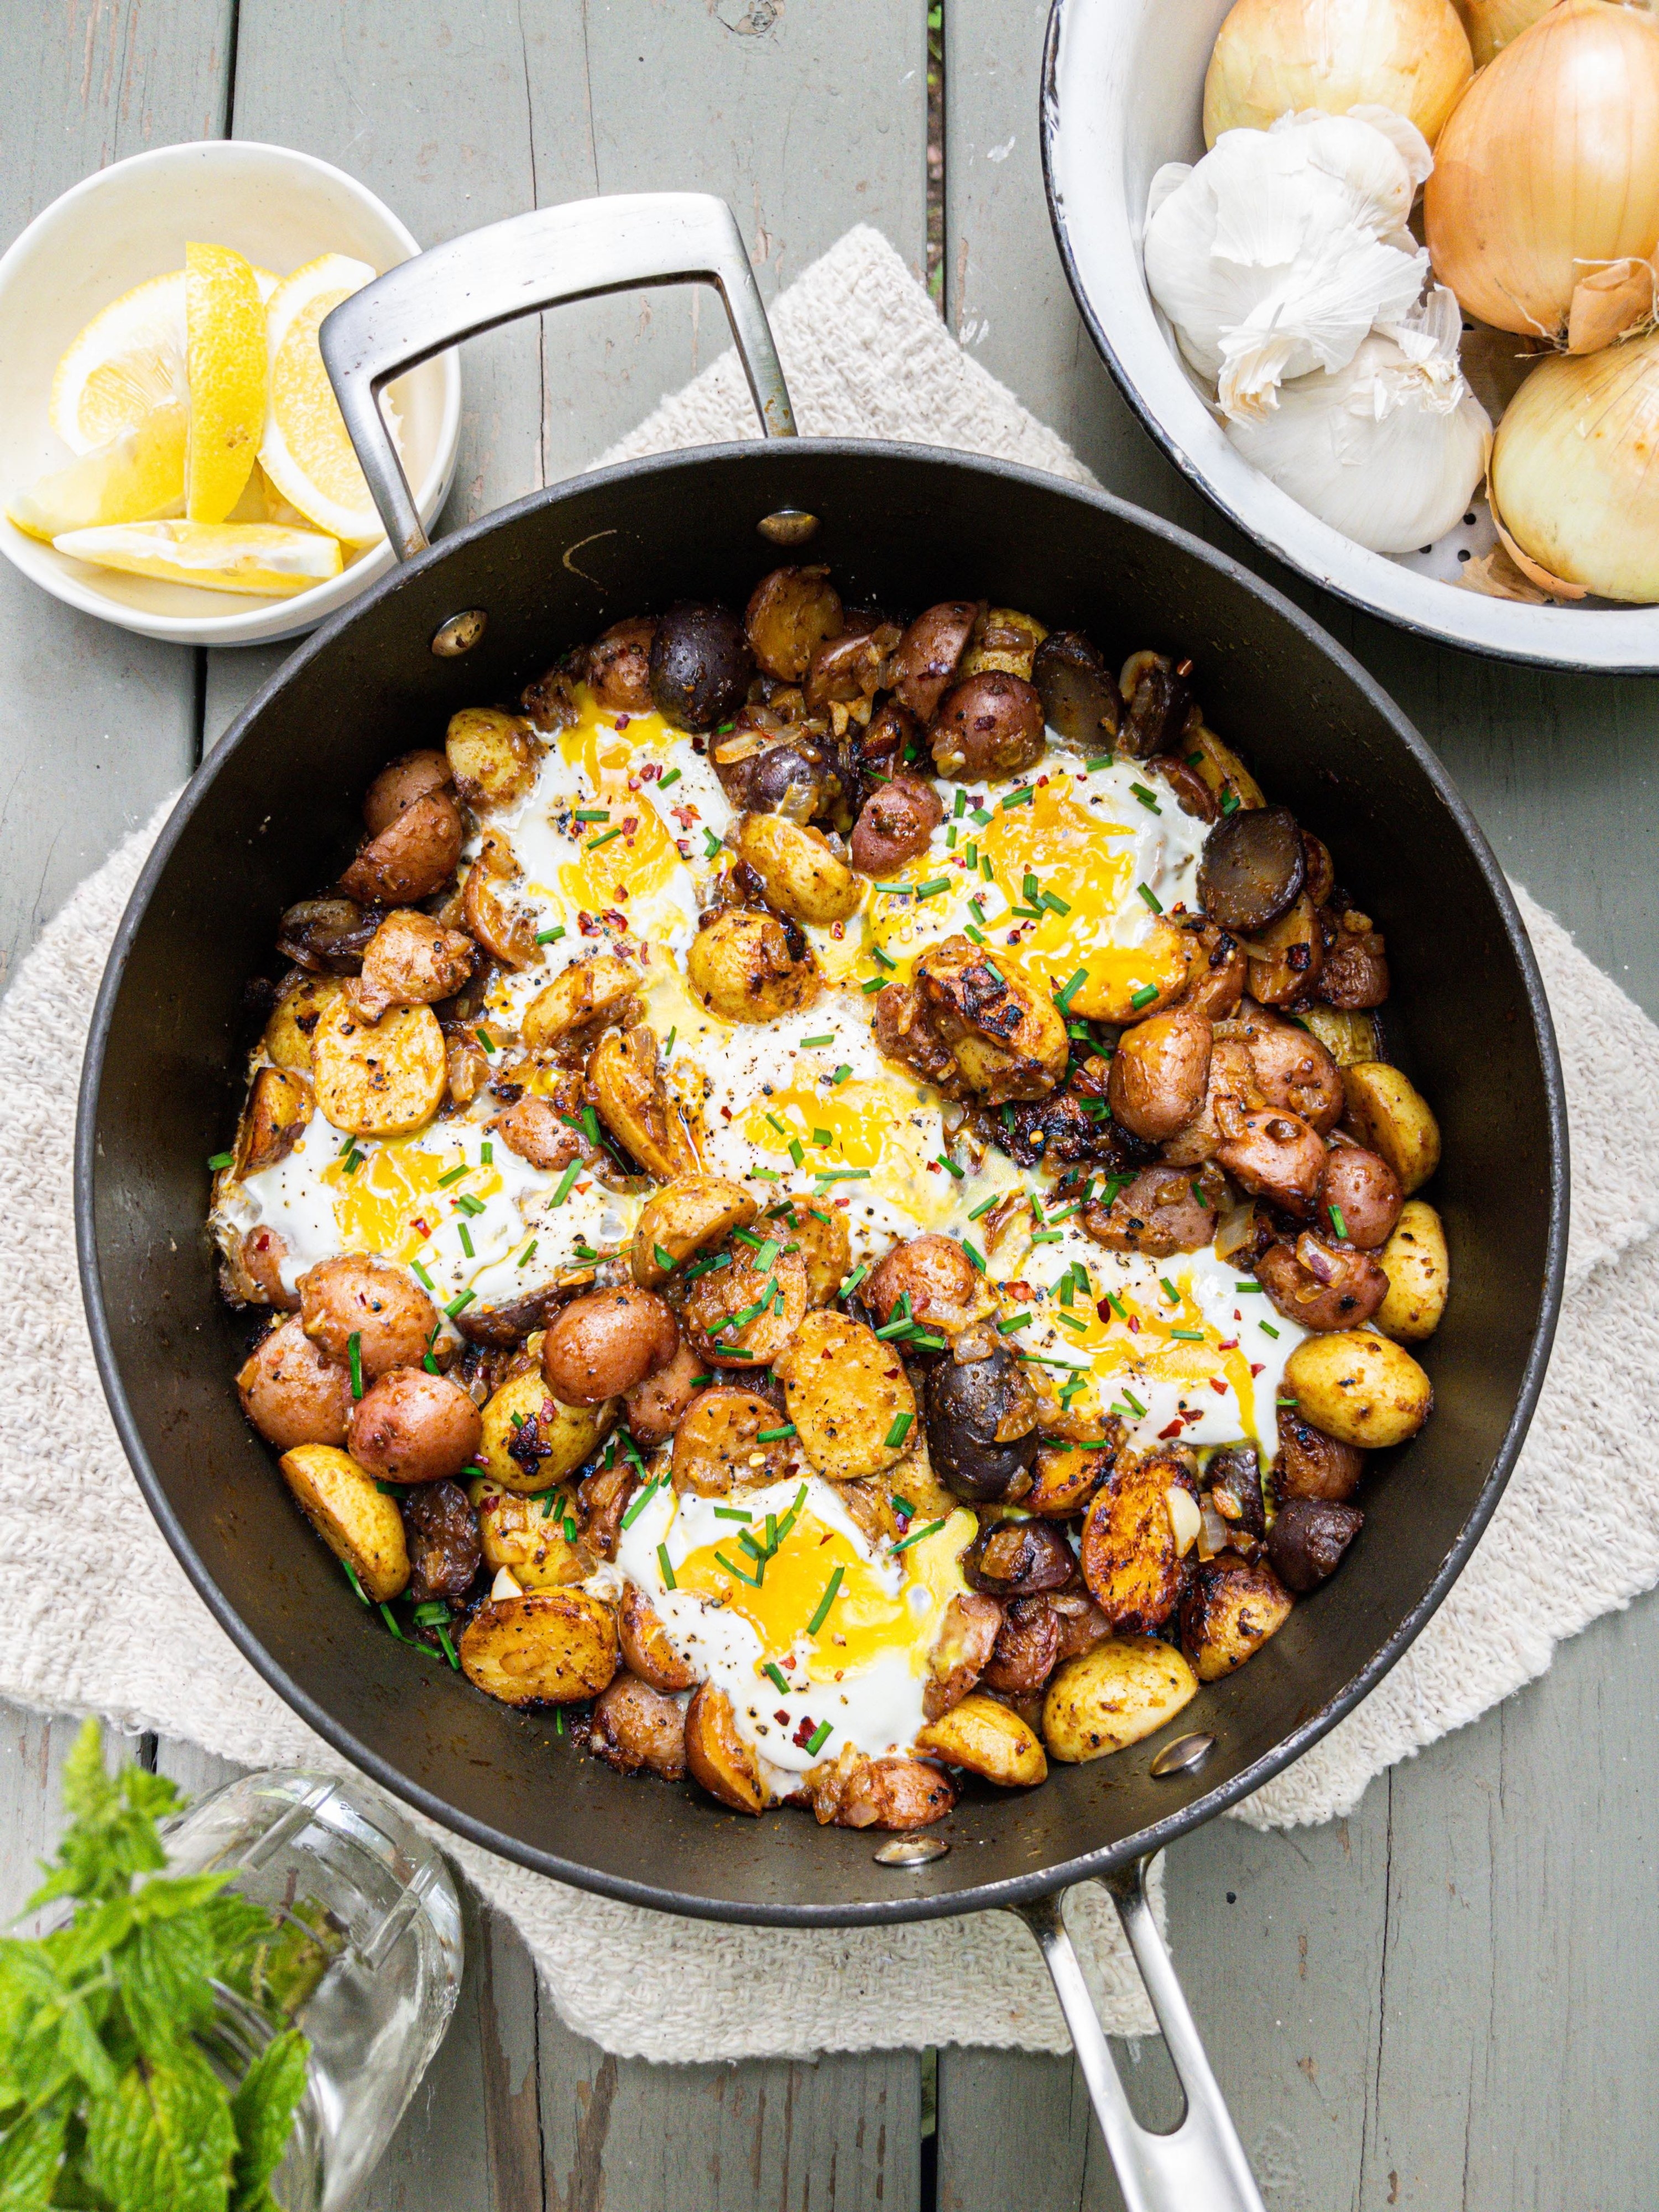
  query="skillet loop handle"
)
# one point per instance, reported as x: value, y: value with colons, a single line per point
x: 1201, y: 2166
x: 514, y: 268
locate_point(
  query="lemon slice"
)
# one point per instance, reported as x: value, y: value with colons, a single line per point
x: 139, y: 476
x: 225, y: 330
x: 306, y: 452
x: 129, y: 360
x: 219, y: 557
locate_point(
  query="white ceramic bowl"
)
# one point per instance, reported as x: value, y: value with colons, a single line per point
x: 131, y: 222
x: 1122, y: 92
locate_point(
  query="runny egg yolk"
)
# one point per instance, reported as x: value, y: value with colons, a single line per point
x: 865, y: 1619
x: 631, y: 855
x: 394, y: 1200
x: 1162, y: 1339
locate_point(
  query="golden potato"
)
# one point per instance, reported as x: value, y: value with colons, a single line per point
x: 500, y: 922
x: 410, y: 961
x: 286, y: 1041
x: 1160, y: 965
x: 717, y: 1442
x: 1113, y: 1695
x: 989, y: 1739
x: 1003, y: 640
x: 527, y: 1535
x: 999, y: 1025
x: 686, y: 1217
x: 354, y: 1519
x: 591, y: 994
x: 645, y: 1647
x: 718, y: 1756
x: 279, y: 1106
x: 380, y: 1078
x: 849, y: 1397
x: 1348, y: 1037
x: 801, y: 874
x: 749, y: 967
x: 1220, y: 766
x: 1360, y: 1388
x: 1228, y: 1612
x: 624, y: 1072
x: 548, y: 1647
x: 1130, y: 1559
x: 545, y: 1441
x: 492, y: 756
x: 1415, y: 1261
x: 1065, y: 1476
x: 743, y: 1315
x: 819, y: 1230
x: 1389, y: 1116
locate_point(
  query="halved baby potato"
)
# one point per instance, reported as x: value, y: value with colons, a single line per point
x: 1113, y: 1696
x: 987, y: 1738
x: 718, y: 1756
x: 1130, y: 1557
x: 820, y: 1231
x: 358, y: 1523
x: 1415, y: 1261
x: 1228, y: 1612
x: 645, y: 1647
x: 289, y: 1033
x: 717, y: 1443
x: 1348, y: 1037
x: 624, y: 1072
x: 849, y: 1397
x: 380, y: 1078
x: 552, y: 1439
x: 587, y: 996
x: 279, y: 1106
x: 546, y: 1647
x: 750, y: 967
x: 1390, y: 1116
x: 802, y: 875
x: 688, y: 1216
x: 1114, y: 990
x: 526, y: 1535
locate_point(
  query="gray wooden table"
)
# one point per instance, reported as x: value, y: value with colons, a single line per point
x: 1448, y: 1999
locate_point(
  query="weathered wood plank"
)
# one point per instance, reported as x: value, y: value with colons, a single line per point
x: 96, y: 725
x: 33, y: 1749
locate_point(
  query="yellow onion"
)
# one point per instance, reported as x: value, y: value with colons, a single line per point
x: 1274, y: 57
x: 1492, y: 24
x: 1575, y: 471
x: 1547, y: 178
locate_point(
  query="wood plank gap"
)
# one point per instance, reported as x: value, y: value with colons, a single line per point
x: 233, y: 32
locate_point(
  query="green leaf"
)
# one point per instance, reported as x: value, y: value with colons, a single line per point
x: 263, y: 2110
x: 50, y: 2033
x: 165, y: 2141
x: 89, y: 1793
x: 164, y: 1982
x: 30, y: 2154
x: 112, y: 1834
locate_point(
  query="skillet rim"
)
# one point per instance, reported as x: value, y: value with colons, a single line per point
x: 975, y: 1897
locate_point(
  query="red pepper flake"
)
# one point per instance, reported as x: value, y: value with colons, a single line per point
x: 686, y: 816
x: 1217, y: 1386
x: 417, y: 1223
x: 630, y: 823
x: 806, y: 1732
x: 621, y: 721
x: 1229, y: 1344
x: 587, y: 924
x: 838, y: 930
x: 1104, y: 1309
x: 1134, y: 1323
x: 781, y: 1717
x: 651, y: 771
x: 682, y: 847
x: 1174, y: 1430
x: 1255, y: 1369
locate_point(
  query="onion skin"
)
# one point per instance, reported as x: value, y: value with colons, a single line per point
x: 1549, y: 167
x: 1273, y: 57
x: 1572, y: 469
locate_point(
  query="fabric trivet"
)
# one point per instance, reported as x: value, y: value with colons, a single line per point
x: 865, y: 355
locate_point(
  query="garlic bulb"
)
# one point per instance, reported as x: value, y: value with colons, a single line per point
x: 1273, y: 57
x: 1572, y: 475
x: 1547, y: 174
x: 1389, y: 449
x: 1276, y: 254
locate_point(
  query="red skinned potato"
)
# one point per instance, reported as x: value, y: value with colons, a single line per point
x: 634, y: 1726
x: 657, y: 1406
x: 604, y: 1344
x: 399, y: 784
x: 893, y: 1793
x: 1360, y: 1196
x: 293, y: 1393
x: 1308, y: 1540
x: 1160, y: 1073
x: 1292, y: 1069
x: 1215, y: 972
x: 718, y: 1756
x: 790, y: 612
x: 646, y: 1648
x: 413, y: 856
x: 252, y: 1272
x: 619, y: 666
x: 1355, y: 971
x: 934, y: 1272
x: 1166, y: 1210
x: 410, y: 1426
x: 849, y: 670
x: 895, y: 824
x: 360, y: 1296
x: 532, y: 1128
x: 410, y: 961
x: 927, y: 655
x: 1311, y: 1464
x: 1321, y: 1286
x: 1274, y: 1154
x: 987, y: 726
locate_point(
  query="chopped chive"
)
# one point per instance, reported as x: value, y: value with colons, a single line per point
x: 841, y: 1074
x: 901, y: 1505
x: 756, y: 1550
x: 986, y: 1203
x: 977, y: 911
x: 1054, y: 903
x: 1117, y: 1305
x: 1266, y: 1328
x: 465, y: 1236
x: 529, y: 1252
x: 777, y: 1675
x: 754, y: 1580
x: 811, y: 1044
x: 915, y: 1537
x: 1337, y: 1222
x: 820, y: 1737
x: 711, y: 844
x: 1286, y: 1401
x: 1169, y: 1289
x: 566, y: 1183
x: 976, y: 1259
x: 1147, y: 798
x: 841, y: 1175
x: 1144, y: 996
x: 355, y: 1354
x: 1071, y: 1322
x: 1188, y: 1335
x: 1145, y: 891
x: 766, y: 1256
x: 594, y: 843
x: 1229, y: 801
x: 485, y: 1040
x: 876, y: 983
x: 731, y: 1513
x: 558, y: 1720
x: 855, y: 1280
x: 548, y: 935
x: 775, y: 1435
x: 672, y: 776
x: 977, y: 935
x: 1133, y: 1404
x: 591, y: 814
x: 1247, y: 1286
x: 880, y: 958
x: 981, y: 816
x: 1023, y: 797
x: 961, y: 803
x: 668, y: 1043
x: 457, y: 1306
x: 797, y: 1151
x: 467, y: 1203
x: 223, y: 1160
x: 1007, y: 1323
x: 950, y: 1167
x: 351, y: 1576
x: 454, y: 1175
x: 664, y: 1562
x: 932, y: 889
x: 824, y: 1603
x: 823, y: 1138
x: 487, y: 1153
x: 421, y: 1275
x: 1063, y: 997
x: 899, y: 1430
x: 1102, y: 761
x: 664, y: 1260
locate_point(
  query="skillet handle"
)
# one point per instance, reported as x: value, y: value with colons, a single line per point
x: 514, y: 268
x: 1201, y: 2166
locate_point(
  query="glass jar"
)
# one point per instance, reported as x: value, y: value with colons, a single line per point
x: 365, y: 1960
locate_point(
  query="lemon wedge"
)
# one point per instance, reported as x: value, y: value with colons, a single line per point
x: 137, y: 476
x: 306, y: 452
x: 220, y: 557
x: 225, y: 331
x: 128, y: 361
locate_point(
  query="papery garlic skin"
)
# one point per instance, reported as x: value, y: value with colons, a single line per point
x: 1389, y: 449
x: 1278, y: 253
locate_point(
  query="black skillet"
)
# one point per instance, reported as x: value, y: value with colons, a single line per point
x: 272, y: 814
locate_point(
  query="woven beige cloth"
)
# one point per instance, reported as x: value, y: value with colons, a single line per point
x: 865, y: 355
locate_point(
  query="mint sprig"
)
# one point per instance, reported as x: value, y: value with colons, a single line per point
x: 106, y: 2098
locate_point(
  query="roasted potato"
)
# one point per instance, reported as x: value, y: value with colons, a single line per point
x: 1113, y: 1695
x: 856, y: 1792
x: 1274, y: 1154
x: 934, y: 1272
x: 1215, y: 972
x: 1286, y: 959
x: 1415, y: 1261
x: 645, y: 1644
x: 252, y: 1271
x: 289, y: 1033
x: 1066, y: 1476
x: 968, y: 1634
x: 790, y: 614
x: 527, y: 1536
x: 1360, y: 1388
x: 604, y: 1344
x: 800, y: 872
x: 718, y: 1756
x: 926, y: 657
x: 989, y: 725
x: 546, y: 1442
x: 634, y: 1726
x: 493, y: 756
x: 414, y: 855
x: 293, y: 1393
x: 410, y: 1426
x: 589, y: 995
x: 1027, y: 1648
x: 846, y: 671
x: 1308, y: 1540
x: 747, y: 966
x: 354, y: 1519
x: 624, y: 1072
x: 1321, y: 1285
x: 548, y: 1647
x: 1289, y: 1068
x: 1157, y: 705
x: 896, y: 823
x: 1160, y: 1073
x: 1355, y: 974
x: 1002, y: 1031
x: 692, y: 1214
x: 380, y: 1078
x: 717, y: 1444
x: 849, y: 1397
x: 1219, y: 766
x: 1161, y: 1212
x: 1348, y: 1037
x: 701, y: 664
x: 1018, y: 1559
x: 410, y: 961
x: 619, y: 666
x: 1228, y: 1612
x: 769, y: 767
x: 743, y: 1316
x: 1005, y: 641
x: 1360, y: 1196
x: 1388, y: 1116
x: 358, y: 1299
x: 989, y: 1739
x: 1254, y: 867
x: 279, y: 1107
x: 818, y: 1228
x: 502, y: 924
x: 1310, y: 1464
x: 654, y: 1409
x: 1079, y: 693
x: 1130, y: 1559
x: 982, y: 1420
x: 534, y: 1128
x: 399, y: 784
